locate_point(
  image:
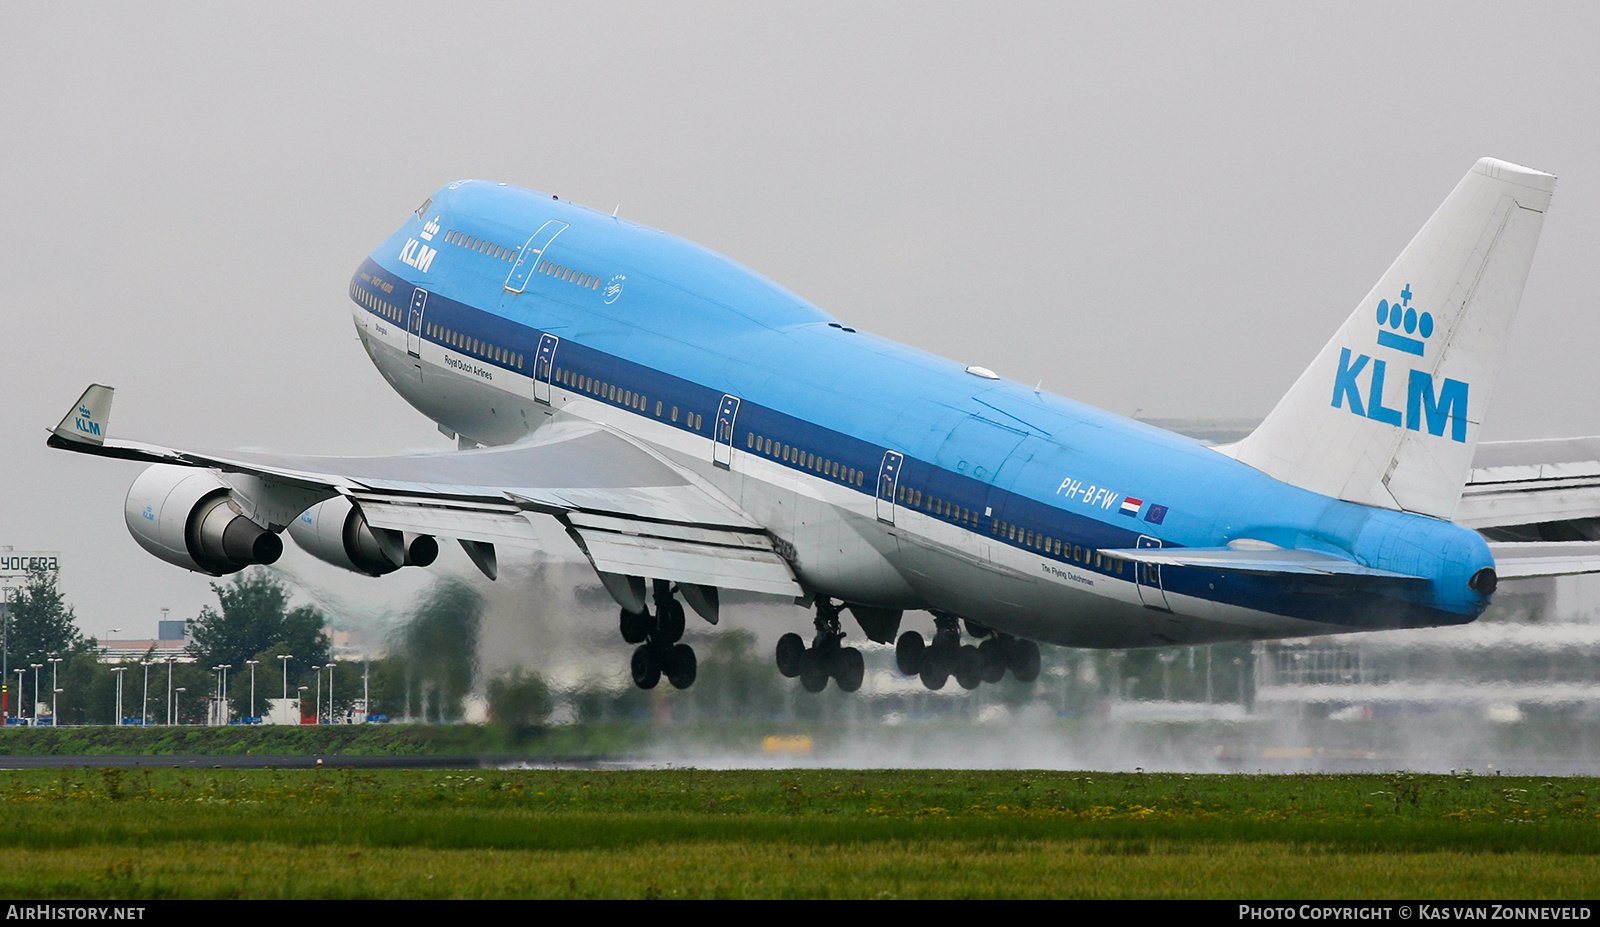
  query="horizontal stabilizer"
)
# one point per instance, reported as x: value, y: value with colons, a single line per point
x: 1538, y: 482
x: 1278, y: 562
x: 1517, y: 560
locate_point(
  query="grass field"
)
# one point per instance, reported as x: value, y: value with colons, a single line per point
x: 84, y: 833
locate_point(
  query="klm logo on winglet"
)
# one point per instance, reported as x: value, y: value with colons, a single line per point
x: 85, y: 422
x: 1402, y: 328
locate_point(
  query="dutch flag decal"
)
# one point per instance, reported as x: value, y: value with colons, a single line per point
x: 1130, y: 506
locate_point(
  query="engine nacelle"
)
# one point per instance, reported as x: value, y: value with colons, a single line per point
x: 188, y: 517
x: 334, y: 531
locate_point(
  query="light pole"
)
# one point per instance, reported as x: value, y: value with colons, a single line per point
x: 302, y: 700
x: 317, y: 713
x: 331, y: 665
x: 144, y: 704
x: 119, y: 670
x: 252, y: 665
x: 224, y: 668
x: 366, y: 691
x: 55, y: 719
x: 5, y: 653
x: 36, y: 691
x: 20, y: 671
x: 285, y: 657
x: 177, y: 695
x: 169, y: 692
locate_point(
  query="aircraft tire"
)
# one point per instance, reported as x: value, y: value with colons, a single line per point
x: 849, y: 669
x: 813, y: 671
x: 790, y: 649
x: 1023, y: 658
x: 635, y: 628
x: 969, y: 667
x: 669, y: 622
x: 646, y: 669
x: 681, y: 666
x: 908, y: 653
x: 994, y: 659
x: 934, y: 674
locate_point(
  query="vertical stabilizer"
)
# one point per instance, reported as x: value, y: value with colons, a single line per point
x: 1388, y: 413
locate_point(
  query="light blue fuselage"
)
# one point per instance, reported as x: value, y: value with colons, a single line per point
x: 998, y: 504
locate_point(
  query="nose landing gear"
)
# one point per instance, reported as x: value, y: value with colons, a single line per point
x: 659, y: 652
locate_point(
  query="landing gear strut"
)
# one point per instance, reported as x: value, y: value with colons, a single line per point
x: 970, y: 665
x: 825, y: 659
x: 659, y: 653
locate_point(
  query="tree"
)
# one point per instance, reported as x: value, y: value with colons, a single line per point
x: 517, y: 698
x: 255, y: 616
x: 440, y: 645
x: 42, y: 624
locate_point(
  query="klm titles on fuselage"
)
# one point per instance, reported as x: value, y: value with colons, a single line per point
x: 1401, y: 328
x: 416, y: 253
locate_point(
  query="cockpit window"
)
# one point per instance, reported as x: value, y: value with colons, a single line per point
x: 424, y: 207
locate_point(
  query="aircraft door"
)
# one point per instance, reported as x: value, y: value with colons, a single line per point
x: 419, y: 302
x: 722, y: 443
x: 543, y: 363
x: 888, y: 484
x: 528, y: 260
x: 1151, y: 592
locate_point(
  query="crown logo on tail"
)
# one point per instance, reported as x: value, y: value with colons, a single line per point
x: 1402, y: 316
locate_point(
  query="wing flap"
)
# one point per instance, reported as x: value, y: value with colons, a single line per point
x: 730, y: 559
x: 503, y: 527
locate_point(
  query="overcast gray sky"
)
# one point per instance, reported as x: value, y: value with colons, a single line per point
x: 1166, y: 207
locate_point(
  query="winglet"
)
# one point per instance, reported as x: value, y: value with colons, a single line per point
x: 87, y: 421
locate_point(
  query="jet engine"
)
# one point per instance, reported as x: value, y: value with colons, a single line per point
x: 188, y: 517
x: 334, y: 531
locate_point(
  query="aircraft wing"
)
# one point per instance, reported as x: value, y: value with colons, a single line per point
x: 630, y: 510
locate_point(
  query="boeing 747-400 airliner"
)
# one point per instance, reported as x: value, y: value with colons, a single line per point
x: 695, y: 427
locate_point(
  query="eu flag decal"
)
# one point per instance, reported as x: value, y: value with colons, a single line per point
x: 1156, y: 514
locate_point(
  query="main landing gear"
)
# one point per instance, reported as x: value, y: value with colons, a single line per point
x: 825, y: 659
x: 970, y: 665
x: 659, y: 653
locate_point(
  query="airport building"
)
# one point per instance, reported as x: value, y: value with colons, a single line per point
x: 1536, y: 652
